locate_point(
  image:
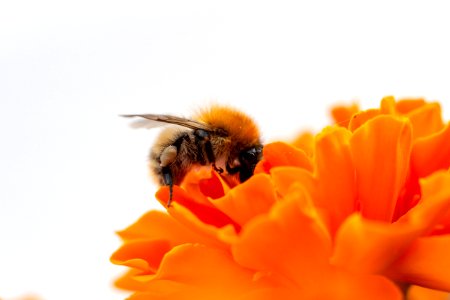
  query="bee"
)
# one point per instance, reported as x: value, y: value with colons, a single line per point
x: 219, y: 136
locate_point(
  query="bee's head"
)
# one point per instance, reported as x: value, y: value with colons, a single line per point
x: 239, y: 136
x: 230, y: 122
x: 248, y: 159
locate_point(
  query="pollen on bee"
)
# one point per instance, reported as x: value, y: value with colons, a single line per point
x: 168, y: 156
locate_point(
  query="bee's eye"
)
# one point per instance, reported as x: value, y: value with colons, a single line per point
x: 251, y: 155
x: 248, y: 159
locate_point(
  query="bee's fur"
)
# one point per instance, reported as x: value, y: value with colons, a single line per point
x: 186, y: 153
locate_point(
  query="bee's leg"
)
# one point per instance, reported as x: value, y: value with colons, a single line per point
x: 217, y: 169
x: 202, y: 137
x: 233, y: 170
x: 167, y: 176
x: 167, y: 158
x: 211, y: 158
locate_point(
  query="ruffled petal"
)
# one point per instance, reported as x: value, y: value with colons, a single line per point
x: 361, y: 118
x: 305, y: 141
x: 426, y: 263
x: 199, y: 272
x: 295, y: 231
x: 443, y: 227
x: 339, y: 285
x: 143, y: 255
x: 129, y: 281
x: 270, y: 294
x: 405, y: 106
x: 209, y: 233
x: 343, y: 114
x: 368, y: 246
x: 158, y: 225
x: 380, y: 150
x: 200, y: 183
x: 284, y: 178
x: 388, y: 106
x: 244, y: 202
x: 336, y: 285
x: 282, y: 154
x: 420, y: 293
x: 291, y: 242
x: 426, y: 119
x: 434, y: 205
x: 335, y: 175
x: 431, y: 153
x: 207, y: 213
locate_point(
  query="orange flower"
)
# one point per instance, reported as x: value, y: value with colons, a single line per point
x: 360, y: 211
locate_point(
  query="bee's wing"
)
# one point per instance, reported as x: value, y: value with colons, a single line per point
x: 152, y: 121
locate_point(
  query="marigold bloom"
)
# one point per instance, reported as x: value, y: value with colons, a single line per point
x: 360, y: 211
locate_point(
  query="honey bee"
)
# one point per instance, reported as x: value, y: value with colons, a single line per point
x: 219, y: 136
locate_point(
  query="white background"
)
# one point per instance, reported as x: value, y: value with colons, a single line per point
x: 72, y: 172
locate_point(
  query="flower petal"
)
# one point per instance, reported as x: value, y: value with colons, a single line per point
x: 339, y: 285
x: 284, y: 177
x: 141, y: 254
x: 213, y: 187
x: 158, y: 225
x: 200, y: 272
x: 305, y: 141
x: 290, y: 242
x: 361, y: 118
x: 369, y: 246
x: 443, y: 227
x: 420, y: 293
x: 207, y: 213
x: 294, y: 231
x: 204, y: 182
x: 405, y: 106
x: 270, y: 294
x: 253, y: 197
x: 388, y: 106
x: 434, y: 205
x: 343, y: 114
x: 209, y: 233
x: 431, y: 153
x: 426, y: 263
x: 335, y: 175
x: 336, y: 285
x: 426, y: 119
x: 380, y: 150
x: 282, y: 154
x: 128, y: 281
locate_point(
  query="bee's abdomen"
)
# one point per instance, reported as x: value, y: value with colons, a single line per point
x: 178, y: 153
